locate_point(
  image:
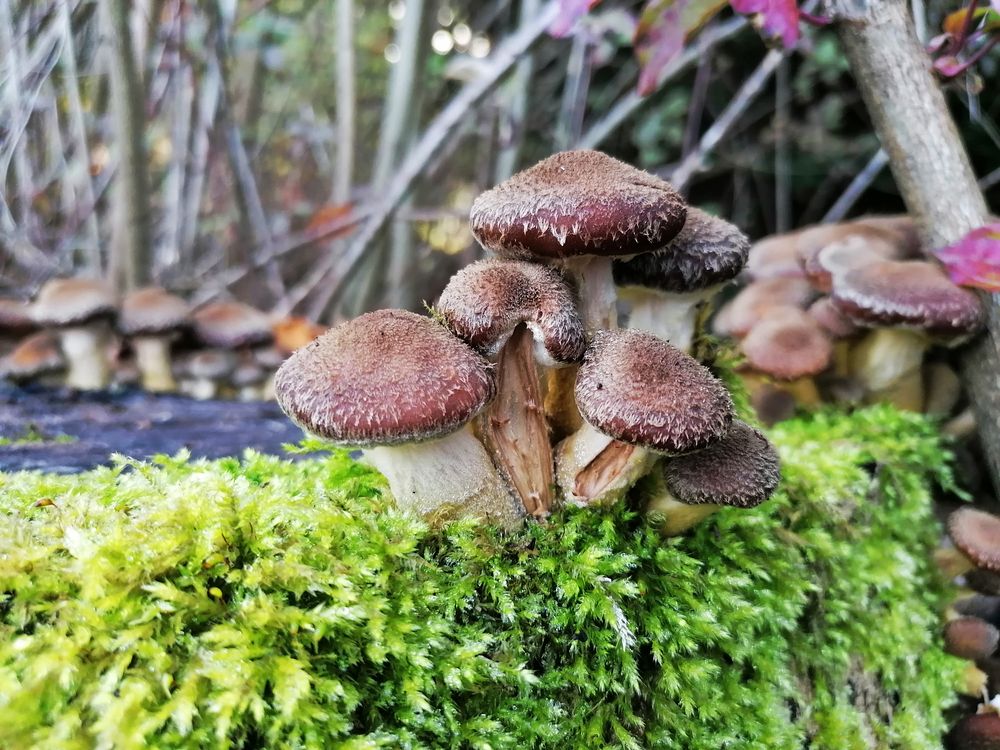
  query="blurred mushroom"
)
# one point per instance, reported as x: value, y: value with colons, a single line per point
x: 666, y: 288
x: 578, y: 210
x: 15, y: 323
x: 638, y: 396
x: 976, y: 535
x: 942, y: 389
x: 36, y: 359
x: 517, y: 313
x: 152, y: 318
x: 231, y: 327
x: 741, y: 470
x: 404, y: 389
x: 852, y: 246
x: 970, y: 638
x: 206, y: 371
x: 248, y: 378
x: 774, y: 257
x: 976, y: 732
x: 81, y: 312
x: 292, y: 333
x: 746, y: 309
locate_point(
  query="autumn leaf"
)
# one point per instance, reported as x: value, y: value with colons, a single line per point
x: 975, y: 259
x: 570, y: 11
x: 329, y: 214
x: 664, y: 27
x: 776, y: 18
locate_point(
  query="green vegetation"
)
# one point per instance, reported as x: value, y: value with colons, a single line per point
x: 259, y: 602
x: 33, y: 436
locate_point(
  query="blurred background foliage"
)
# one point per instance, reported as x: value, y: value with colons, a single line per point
x: 298, y: 160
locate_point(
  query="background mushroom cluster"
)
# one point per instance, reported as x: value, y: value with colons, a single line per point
x: 520, y: 390
x: 77, y: 333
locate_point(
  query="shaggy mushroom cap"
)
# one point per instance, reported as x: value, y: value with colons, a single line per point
x: 971, y: 638
x: 63, y: 303
x: 484, y: 302
x: 976, y: 732
x: 231, y: 325
x: 384, y: 378
x: 787, y: 344
x: 976, y: 533
x: 151, y: 312
x: 577, y: 203
x: 707, y: 252
x: 639, y: 389
x: 37, y: 355
x: 740, y: 470
x: 908, y: 294
x: 746, y: 309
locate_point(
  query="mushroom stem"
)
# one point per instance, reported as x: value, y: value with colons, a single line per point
x: 203, y: 389
x: 887, y: 363
x: 514, y: 427
x: 447, y: 477
x: 592, y: 467
x: 671, y: 317
x: 561, y: 411
x: 678, y: 516
x: 84, y: 347
x: 595, y: 287
x: 152, y: 354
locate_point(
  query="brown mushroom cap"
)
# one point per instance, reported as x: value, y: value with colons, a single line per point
x: 976, y: 732
x: 73, y: 302
x: 15, y: 317
x: 641, y: 390
x: 774, y: 257
x: 384, y: 378
x: 577, y: 203
x: 741, y: 470
x: 231, y: 325
x: 746, y: 309
x: 976, y: 533
x: 970, y: 638
x: 708, y: 251
x: 211, y: 364
x: 484, y: 302
x: 911, y: 294
x: 981, y: 606
x: 36, y: 355
x: 152, y: 311
x: 834, y: 323
x: 787, y: 344
x: 858, y: 246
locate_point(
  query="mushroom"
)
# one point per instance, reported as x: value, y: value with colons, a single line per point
x: 741, y: 470
x: 577, y: 210
x: 911, y: 304
x: 231, y: 327
x: 152, y: 318
x: 516, y: 313
x: 976, y: 732
x: 666, y: 288
x: 639, y: 396
x: 971, y: 638
x: 404, y: 389
x: 80, y: 311
x: 976, y: 535
x: 37, y: 358
x: 742, y: 312
x: 204, y: 372
x: 248, y: 378
x: 15, y: 323
x: 839, y: 329
x: 774, y: 257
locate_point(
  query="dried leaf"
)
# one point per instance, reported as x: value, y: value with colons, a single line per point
x: 663, y: 28
x: 975, y: 259
x: 328, y: 214
x: 570, y: 11
x: 775, y: 18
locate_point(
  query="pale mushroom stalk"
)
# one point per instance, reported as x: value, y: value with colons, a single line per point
x: 887, y: 362
x: 671, y: 317
x: 152, y: 354
x: 678, y: 516
x: 85, y: 348
x: 591, y: 466
x: 595, y: 286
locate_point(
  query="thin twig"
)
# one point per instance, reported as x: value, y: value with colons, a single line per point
x: 862, y: 180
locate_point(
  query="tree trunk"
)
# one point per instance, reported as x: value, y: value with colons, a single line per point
x: 930, y: 165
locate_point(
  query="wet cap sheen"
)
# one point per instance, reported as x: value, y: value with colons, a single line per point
x: 484, y: 302
x: 641, y: 390
x: 577, y: 203
x: 976, y: 533
x: 153, y: 311
x: 910, y: 294
x: 230, y: 325
x: 73, y: 302
x: 970, y: 638
x: 742, y: 470
x: 787, y: 344
x: 386, y: 377
x: 707, y: 252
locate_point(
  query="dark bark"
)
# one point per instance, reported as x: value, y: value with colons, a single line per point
x: 930, y: 165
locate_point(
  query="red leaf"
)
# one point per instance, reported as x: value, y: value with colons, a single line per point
x: 949, y: 66
x: 329, y: 214
x: 570, y: 11
x: 777, y: 18
x: 975, y: 259
x: 663, y: 28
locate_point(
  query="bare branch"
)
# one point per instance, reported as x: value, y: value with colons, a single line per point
x: 861, y: 182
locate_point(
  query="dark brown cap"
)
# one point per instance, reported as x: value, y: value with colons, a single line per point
x: 707, y: 252
x: 981, y: 606
x: 231, y: 325
x: 484, y: 302
x: 983, y: 581
x: 152, y: 311
x: 73, y: 302
x: 745, y: 310
x: 976, y: 533
x: 577, y: 203
x: 834, y: 323
x: 741, y: 470
x: 910, y: 294
x: 641, y: 390
x: 36, y: 355
x: 787, y: 344
x: 970, y: 638
x: 384, y: 378
x: 976, y: 732
x: 15, y: 317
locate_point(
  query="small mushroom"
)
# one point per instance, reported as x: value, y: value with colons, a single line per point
x: 741, y: 470
x: 578, y: 210
x: 976, y: 535
x: 36, y: 359
x: 15, y: 323
x: 746, y: 309
x: 80, y: 311
x: 666, y: 288
x: 639, y: 396
x: 248, y: 378
x: 205, y: 372
x: 774, y: 257
x: 230, y: 327
x: 853, y: 245
x: 400, y: 386
x: 971, y: 638
x: 151, y: 319
x: 976, y: 732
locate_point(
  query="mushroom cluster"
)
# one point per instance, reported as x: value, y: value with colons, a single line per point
x: 521, y: 391
x: 847, y: 313
x: 78, y: 334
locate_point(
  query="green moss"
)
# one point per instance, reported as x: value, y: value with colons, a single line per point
x: 34, y: 436
x: 257, y: 602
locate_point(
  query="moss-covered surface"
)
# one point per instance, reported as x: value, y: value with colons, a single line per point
x: 263, y: 603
